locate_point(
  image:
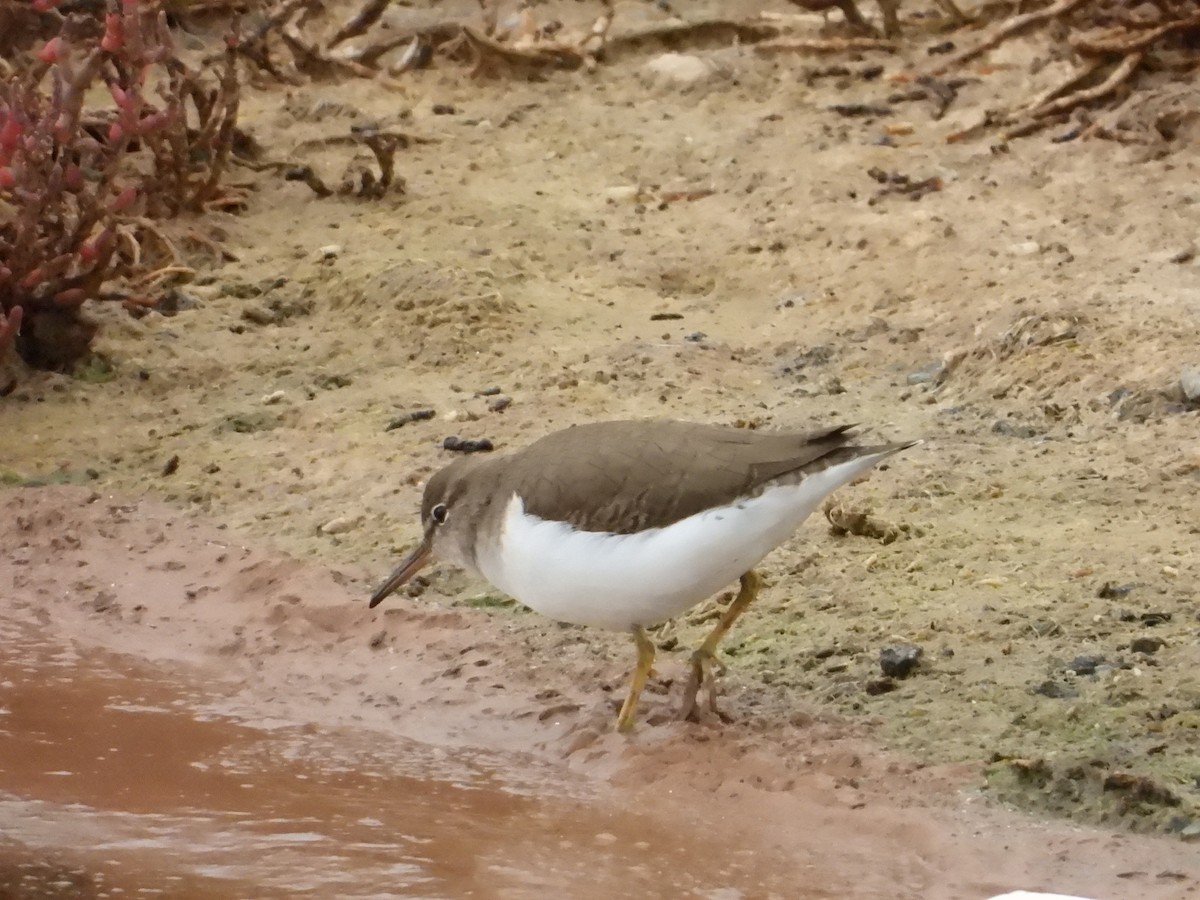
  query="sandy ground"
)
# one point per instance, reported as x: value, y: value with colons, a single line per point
x: 810, y: 808
x: 1059, y: 457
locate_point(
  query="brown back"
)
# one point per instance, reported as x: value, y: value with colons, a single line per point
x: 622, y: 477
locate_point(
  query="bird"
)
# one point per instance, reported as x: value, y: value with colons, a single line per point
x: 623, y: 525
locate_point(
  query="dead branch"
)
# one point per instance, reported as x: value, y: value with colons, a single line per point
x: 283, y: 13
x: 823, y: 45
x: 169, y: 250
x: 489, y: 55
x: 1111, y: 44
x: 1014, y: 26
x: 309, y: 177
x: 1075, y: 79
x: 430, y: 37
x: 360, y: 23
x: 1119, y: 40
x: 359, y: 181
x: 219, y: 254
x: 312, y: 62
x: 1115, y: 79
x: 150, y: 279
x: 402, y: 139
x: 702, y: 34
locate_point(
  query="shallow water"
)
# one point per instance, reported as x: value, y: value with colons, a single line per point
x: 116, y: 782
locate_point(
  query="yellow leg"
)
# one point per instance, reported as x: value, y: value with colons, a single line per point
x: 705, y: 655
x: 645, y: 661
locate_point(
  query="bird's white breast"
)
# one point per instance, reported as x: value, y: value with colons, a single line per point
x: 620, y: 581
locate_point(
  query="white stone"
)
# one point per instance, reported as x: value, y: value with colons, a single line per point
x: 1189, y: 381
x: 679, y: 69
x: 1025, y: 248
x: 624, y: 193
x: 341, y: 525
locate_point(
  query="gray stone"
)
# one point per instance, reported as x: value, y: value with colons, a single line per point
x: 900, y: 660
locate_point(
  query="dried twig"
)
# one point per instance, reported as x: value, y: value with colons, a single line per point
x: 1109, y: 57
x: 1119, y: 40
x: 1076, y: 78
x: 1011, y: 27
x: 823, y: 45
x: 312, y: 62
x: 370, y: 13
x: 382, y: 144
x: 1118, y: 76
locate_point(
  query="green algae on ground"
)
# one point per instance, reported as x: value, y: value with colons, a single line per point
x: 1092, y: 790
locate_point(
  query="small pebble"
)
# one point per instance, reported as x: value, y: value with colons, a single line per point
x: 260, y: 315
x: 341, y: 525
x: 171, y: 465
x: 488, y: 392
x: 1147, y: 645
x: 463, y: 445
x: 499, y: 404
x: 1003, y: 426
x: 329, y: 251
x: 900, y: 660
x: 1055, y: 690
x: 416, y: 415
x: 878, y: 686
x: 329, y: 382
x: 790, y: 299
x: 1151, y: 619
x: 831, y: 384
x: 273, y: 398
x: 176, y: 300
x: 925, y: 373
x: 1085, y: 665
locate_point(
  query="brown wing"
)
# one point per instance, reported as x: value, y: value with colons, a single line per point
x: 626, y: 476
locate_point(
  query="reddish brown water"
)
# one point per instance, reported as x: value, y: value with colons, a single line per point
x: 114, y: 782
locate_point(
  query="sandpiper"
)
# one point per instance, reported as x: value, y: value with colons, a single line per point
x: 624, y: 525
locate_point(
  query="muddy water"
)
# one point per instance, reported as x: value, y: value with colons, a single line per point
x: 116, y: 782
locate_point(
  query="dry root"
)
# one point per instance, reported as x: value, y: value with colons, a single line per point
x: 360, y: 181
x: 860, y: 523
x: 1117, y: 50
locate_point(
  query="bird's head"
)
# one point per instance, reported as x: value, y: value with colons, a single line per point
x: 446, y: 520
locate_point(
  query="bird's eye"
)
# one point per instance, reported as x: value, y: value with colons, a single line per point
x: 438, y: 514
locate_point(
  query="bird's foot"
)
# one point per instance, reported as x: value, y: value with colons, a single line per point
x: 645, y: 665
x: 704, y: 665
